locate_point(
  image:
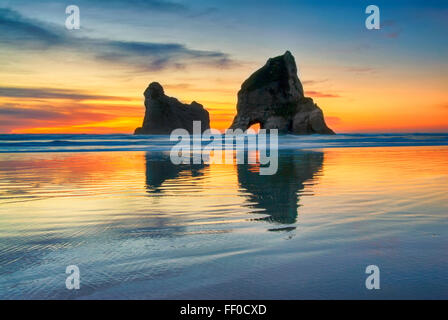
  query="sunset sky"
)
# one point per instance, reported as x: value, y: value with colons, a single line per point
x: 54, y: 80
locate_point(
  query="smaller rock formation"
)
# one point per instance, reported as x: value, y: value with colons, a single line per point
x: 164, y: 114
x: 273, y: 97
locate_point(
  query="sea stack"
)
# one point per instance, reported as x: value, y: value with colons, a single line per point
x: 163, y: 114
x: 273, y: 97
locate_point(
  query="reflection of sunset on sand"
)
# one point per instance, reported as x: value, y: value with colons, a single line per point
x: 141, y: 219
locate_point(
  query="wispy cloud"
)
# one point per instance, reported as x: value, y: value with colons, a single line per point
x: 28, y: 34
x: 10, y: 111
x: 18, y: 30
x: 318, y: 94
x: 313, y: 82
x: 388, y: 23
x: 52, y: 93
x: 360, y: 69
x: 21, y: 115
x: 153, y: 5
x: 158, y: 5
x: 331, y: 120
x: 390, y: 29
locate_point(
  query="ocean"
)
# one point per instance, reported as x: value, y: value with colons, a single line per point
x: 139, y: 227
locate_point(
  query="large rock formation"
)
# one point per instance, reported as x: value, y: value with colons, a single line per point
x: 164, y: 114
x: 273, y: 97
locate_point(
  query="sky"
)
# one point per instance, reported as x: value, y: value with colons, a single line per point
x: 91, y: 80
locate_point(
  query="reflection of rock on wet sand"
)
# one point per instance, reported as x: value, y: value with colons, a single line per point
x: 160, y: 168
x: 277, y: 194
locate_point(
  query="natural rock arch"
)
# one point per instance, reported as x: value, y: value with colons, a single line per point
x: 273, y: 96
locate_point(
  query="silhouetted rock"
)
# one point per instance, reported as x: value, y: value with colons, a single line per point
x: 273, y: 97
x: 164, y: 114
